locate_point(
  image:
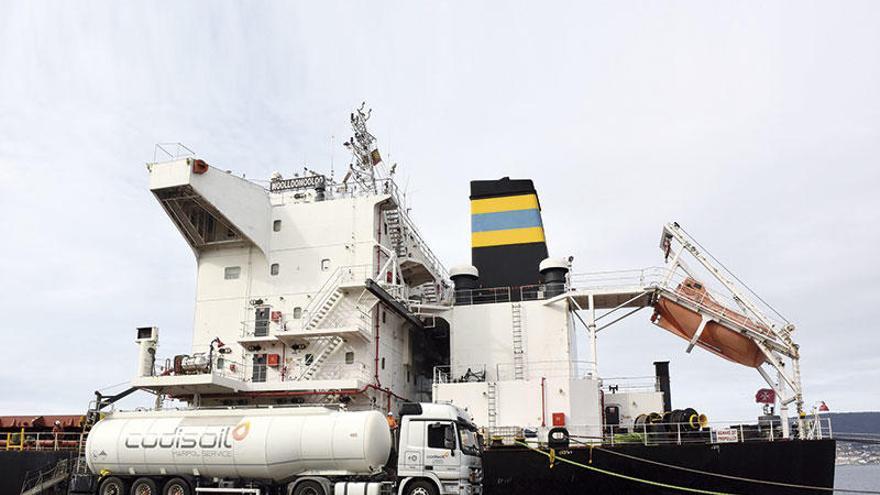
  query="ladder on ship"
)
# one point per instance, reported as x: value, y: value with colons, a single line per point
x: 331, y: 344
x: 492, y: 403
x: 519, y: 365
x: 396, y: 232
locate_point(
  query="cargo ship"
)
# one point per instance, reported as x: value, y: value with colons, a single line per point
x: 318, y: 294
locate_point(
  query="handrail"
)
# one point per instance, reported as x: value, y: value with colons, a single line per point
x: 664, y: 433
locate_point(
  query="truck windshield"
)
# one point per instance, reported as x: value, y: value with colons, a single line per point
x: 469, y: 442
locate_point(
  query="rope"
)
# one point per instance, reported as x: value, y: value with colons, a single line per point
x: 555, y: 458
x: 737, y: 478
x: 695, y: 471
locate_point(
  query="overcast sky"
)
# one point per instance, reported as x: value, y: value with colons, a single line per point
x: 756, y: 125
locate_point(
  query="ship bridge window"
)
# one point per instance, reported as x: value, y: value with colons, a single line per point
x: 276, y: 225
x: 349, y: 357
x: 274, y: 269
x: 231, y: 272
x: 297, y: 313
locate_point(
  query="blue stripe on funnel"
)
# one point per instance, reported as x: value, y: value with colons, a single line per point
x: 517, y: 219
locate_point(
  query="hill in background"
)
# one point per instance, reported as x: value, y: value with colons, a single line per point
x: 854, y: 422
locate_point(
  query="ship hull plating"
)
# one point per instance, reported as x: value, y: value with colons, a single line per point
x: 510, y: 470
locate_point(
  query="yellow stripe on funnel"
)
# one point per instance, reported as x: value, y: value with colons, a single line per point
x: 504, y: 237
x: 504, y: 203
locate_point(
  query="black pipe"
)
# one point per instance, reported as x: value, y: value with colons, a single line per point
x: 661, y: 370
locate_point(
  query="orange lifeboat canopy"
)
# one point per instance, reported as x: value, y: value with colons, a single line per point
x: 716, y: 337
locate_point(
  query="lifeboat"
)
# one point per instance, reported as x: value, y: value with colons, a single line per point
x: 718, y: 338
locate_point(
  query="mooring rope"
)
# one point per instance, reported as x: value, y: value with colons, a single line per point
x: 555, y: 457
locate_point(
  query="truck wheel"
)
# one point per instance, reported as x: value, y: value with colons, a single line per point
x: 309, y: 487
x: 421, y: 487
x: 112, y: 486
x: 176, y: 486
x: 144, y: 486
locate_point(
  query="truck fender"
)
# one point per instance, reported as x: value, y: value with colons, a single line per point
x: 426, y: 476
x: 328, y: 487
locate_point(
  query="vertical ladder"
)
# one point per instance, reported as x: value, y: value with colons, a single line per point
x: 492, y: 403
x: 518, y: 349
x: 396, y: 232
x: 332, y: 344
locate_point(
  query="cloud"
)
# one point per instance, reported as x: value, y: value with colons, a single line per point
x: 756, y: 129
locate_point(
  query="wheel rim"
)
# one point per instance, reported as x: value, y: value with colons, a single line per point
x: 143, y: 489
x: 112, y: 489
x: 176, y: 490
x: 310, y: 491
x: 419, y: 491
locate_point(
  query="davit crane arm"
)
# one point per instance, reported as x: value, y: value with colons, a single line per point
x: 777, y: 345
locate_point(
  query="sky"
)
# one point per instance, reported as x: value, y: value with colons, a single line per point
x: 755, y: 125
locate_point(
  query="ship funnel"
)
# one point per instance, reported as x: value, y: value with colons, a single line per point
x: 507, y: 235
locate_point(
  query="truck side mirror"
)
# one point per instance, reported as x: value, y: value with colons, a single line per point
x: 449, y: 438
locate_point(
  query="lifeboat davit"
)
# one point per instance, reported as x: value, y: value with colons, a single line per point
x: 717, y: 338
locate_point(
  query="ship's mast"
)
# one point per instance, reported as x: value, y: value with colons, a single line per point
x: 365, y: 153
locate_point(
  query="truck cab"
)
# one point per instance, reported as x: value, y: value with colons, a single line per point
x: 439, y: 451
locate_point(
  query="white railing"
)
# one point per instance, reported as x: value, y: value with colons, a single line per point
x: 464, y: 297
x: 342, y: 275
x: 220, y: 365
x: 660, y: 434
x: 460, y: 373
x: 630, y: 384
x: 335, y: 371
x: 546, y: 369
x: 464, y: 373
x: 714, y: 432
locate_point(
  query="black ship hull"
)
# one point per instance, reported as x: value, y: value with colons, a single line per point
x: 14, y: 467
x: 512, y: 470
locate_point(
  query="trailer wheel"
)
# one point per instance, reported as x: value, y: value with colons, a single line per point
x: 144, y: 486
x: 421, y: 487
x: 309, y: 487
x: 176, y: 486
x: 112, y: 486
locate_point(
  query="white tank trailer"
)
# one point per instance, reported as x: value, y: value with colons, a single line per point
x: 299, y: 451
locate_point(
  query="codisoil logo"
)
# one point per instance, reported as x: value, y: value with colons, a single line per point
x: 241, y: 431
x: 190, y: 437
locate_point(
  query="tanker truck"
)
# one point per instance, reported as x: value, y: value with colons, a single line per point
x: 283, y: 451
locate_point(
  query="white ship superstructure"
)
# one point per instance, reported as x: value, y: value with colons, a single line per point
x: 302, y: 290
x: 312, y: 290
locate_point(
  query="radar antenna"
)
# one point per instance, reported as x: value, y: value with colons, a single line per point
x: 365, y: 153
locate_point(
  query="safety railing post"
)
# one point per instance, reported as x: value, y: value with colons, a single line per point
x: 741, y: 437
x: 645, y: 429
x: 678, y: 432
x: 772, y: 434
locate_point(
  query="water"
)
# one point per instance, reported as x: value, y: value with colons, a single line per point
x: 859, y: 477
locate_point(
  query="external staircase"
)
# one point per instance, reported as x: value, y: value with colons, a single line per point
x: 328, y: 345
x: 49, y: 479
